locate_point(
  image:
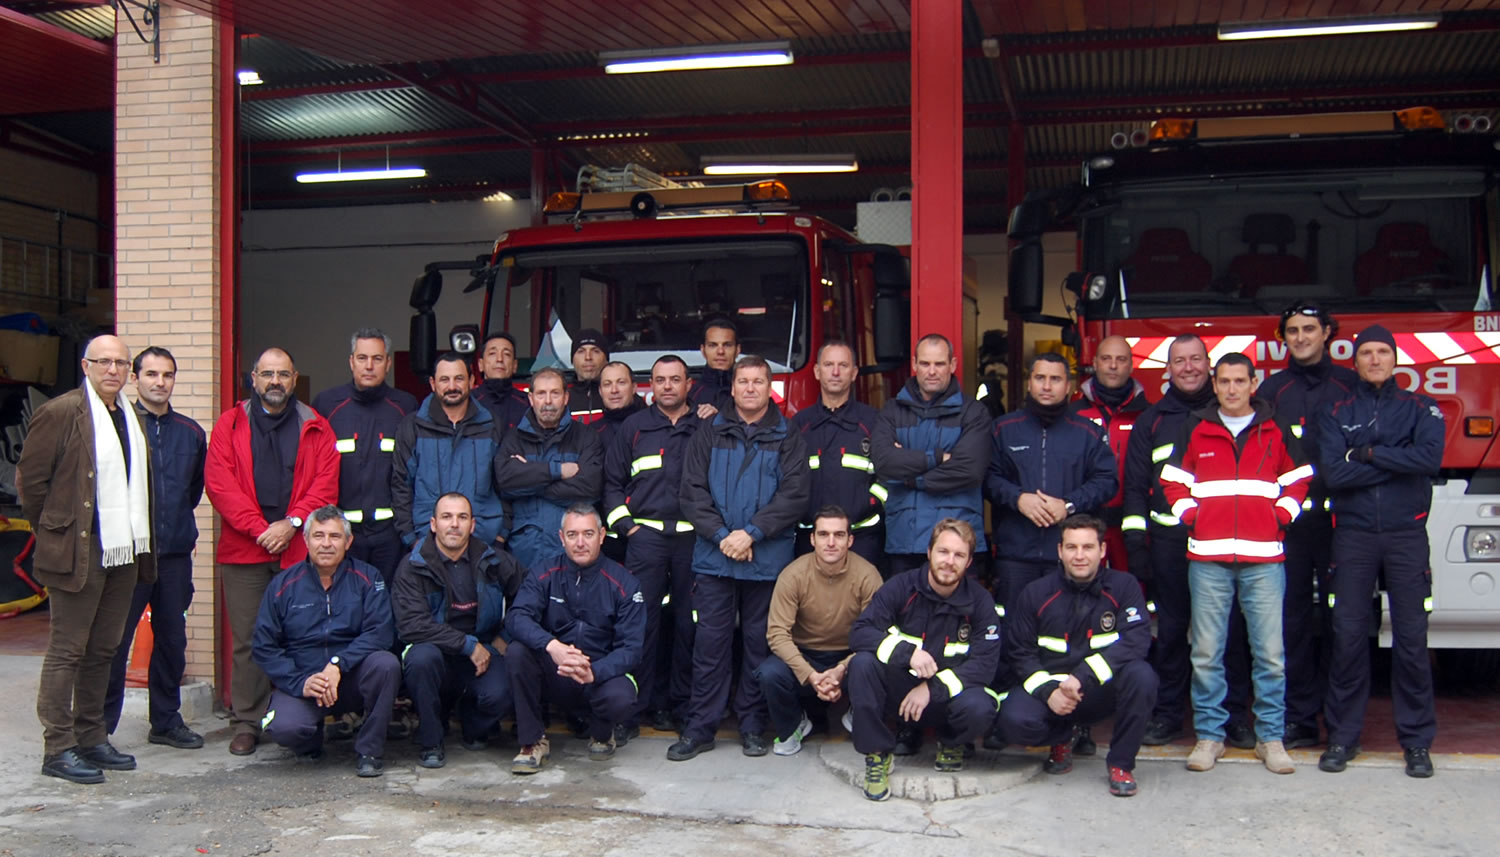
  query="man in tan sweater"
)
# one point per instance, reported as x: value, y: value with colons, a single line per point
x: 816, y: 600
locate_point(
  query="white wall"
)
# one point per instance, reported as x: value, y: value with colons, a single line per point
x: 991, y: 255
x: 310, y: 277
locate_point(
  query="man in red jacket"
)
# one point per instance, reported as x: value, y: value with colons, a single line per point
x: 271, y: 462
x: 1236, y: 480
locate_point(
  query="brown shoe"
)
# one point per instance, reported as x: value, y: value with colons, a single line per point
x: 243, y: 744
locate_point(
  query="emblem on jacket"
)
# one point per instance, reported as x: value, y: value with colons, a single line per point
x: 864, y: 445
x: 1132, y: 615
x: 963, y: 633
x: 1107, y: 621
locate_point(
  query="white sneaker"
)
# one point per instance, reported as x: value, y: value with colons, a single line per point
x: 848, y: 721
x: 792, y: 745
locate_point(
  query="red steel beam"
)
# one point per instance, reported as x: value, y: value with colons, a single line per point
x: 937, y: 154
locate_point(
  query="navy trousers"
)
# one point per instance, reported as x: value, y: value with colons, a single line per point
x: 533, y: 676
x: 663, y: 564
x: 1309, y: 548
x: 296, y: 722
x: 785, y: 696
x: 876, y: 690
x: 1129, y: 696
x: 437, y: 681
x: 380, y: 546
x: 1358, y: 558
x: 169, y: 597
x: 716, y: 601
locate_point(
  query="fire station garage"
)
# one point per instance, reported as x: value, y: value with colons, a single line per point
x: 1023, y: 176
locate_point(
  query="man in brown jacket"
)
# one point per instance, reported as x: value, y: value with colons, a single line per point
x: 816, y: 600
x: 84, y: 484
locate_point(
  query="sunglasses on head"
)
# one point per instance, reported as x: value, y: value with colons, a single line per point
x: 1301, y: 310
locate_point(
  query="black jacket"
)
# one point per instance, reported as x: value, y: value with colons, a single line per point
x: 713, y: 387
x: 435, y: 456
x: 1069, y: 459
x: 178, y: 446
x: 1404, y: 434
x: 1151, y: 444
x: 609, y: 421
x: 1059, y: 628
x: 1298, y: 394
x: 364, y: 429
x: 961, y: 632
x: 504, y: 402
x: 643, y: 471
x: 420, y: 596
x: 598, y: 609
x: 584, y: 401
x: 838, y: 456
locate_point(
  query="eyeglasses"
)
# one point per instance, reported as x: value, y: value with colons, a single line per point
x: 1312, y: 311
x: 109, y: 363
x: 268, y: 375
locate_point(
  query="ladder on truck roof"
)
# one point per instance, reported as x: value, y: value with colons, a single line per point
x: 633, y: 191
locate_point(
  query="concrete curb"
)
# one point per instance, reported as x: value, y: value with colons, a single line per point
x: 197, y: 702
x: 913, y: 778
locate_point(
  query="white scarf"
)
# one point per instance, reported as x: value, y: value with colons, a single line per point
x: 123, y: 505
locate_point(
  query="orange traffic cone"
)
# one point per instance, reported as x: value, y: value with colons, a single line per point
x: 138, y: 673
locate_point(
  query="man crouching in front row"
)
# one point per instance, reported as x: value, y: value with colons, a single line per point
x: 924, y: 649
x: 577, y: 630
x: 323, y: 637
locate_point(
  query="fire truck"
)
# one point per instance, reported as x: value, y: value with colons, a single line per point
x: 1213, y: 226
x: 648, y: 261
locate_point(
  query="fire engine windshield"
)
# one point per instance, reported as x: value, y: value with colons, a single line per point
x: 1353, y: 241
x: 653, y: 299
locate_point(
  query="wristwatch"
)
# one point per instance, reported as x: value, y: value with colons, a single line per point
x: 337, y: 662
x: 1070, y: 508
x: 296, y: 521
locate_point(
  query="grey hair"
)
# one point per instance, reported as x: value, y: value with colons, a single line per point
x: 582, y: 508
x: 323, y: 515
x: 369, y: 333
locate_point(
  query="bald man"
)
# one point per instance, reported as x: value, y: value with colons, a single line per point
x: 271, y: 462
x: 85, y: 487
x: 1112, y: 400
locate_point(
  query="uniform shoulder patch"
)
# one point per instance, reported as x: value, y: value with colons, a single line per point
x: 1132, y: 615
x: 638, y: 598
x: 1107, y: 621
x: 1436, y: 411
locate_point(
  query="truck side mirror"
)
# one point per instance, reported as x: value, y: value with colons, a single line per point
x: 423, y: 343
x: 1026, y: 277
x: 425, y: 290
x: 892, y: 327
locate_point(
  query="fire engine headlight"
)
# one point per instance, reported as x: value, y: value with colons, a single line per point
x: 464, y: 341
x: 1482, y: 544
x: 1097, y: 284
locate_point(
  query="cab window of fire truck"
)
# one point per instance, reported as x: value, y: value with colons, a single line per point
x: 511, y: 309
x: 833, y: 295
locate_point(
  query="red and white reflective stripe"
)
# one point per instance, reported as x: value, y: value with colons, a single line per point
x: 1291, y: 507
x: 1446, y: 347
x: 1235, y: 488
x: 1150, y: 352
x: 1303, y: 472
x: 1183, y: 505
x: 1234, y: 547
x: 1173, y: 473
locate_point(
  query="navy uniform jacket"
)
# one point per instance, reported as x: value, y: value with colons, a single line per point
x: 597, y: 609
x: 713, y: 387
x: 1059, y: 628
x: 535, y: 492
x: 961, y: 632
x: 1405, y: 435
x: 434, y: 456
x: 420, y: 596
x: 838, y: 456
x: 1152, y: 442
x: 364, y: 429
x: 1298, y: 394
x: 1070, y: 459
x: 924, y: 489
x: 504, y: 402
x: 301, y: 625
x: 643, y: 472
x: 739, y: 476
x: 178, y: 447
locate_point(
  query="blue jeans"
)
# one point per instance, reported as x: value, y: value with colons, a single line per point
x: 1262, y: 588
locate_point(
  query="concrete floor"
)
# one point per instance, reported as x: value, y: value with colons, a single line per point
x: 208, y: 802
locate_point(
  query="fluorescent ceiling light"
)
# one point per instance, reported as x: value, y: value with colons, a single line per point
x: 697, y: 57
x: 499, y: 196
x: 1324, y: 27
x: 250, y: 77
x: 363, y: 175
x: 763, y: 165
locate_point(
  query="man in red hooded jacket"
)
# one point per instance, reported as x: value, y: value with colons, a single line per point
x: 271, y: 462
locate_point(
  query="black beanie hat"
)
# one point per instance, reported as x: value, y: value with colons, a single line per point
x: 1374, y: 333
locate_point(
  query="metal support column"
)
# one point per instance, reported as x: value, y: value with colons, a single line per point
x: 937, y: 157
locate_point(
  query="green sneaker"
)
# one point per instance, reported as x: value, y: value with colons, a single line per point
x: 950, y: 760
x: 878, y: 776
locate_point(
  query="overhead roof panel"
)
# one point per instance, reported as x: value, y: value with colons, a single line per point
x: 47, y: 69
x: 345, y: 114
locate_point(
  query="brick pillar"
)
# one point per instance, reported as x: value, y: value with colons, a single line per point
x: 169, y: 186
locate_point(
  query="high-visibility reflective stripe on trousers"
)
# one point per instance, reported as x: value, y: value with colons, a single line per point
x: 357, y: 516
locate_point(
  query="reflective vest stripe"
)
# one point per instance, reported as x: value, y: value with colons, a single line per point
x: 344, y: 445
x: 857, y: 462
x: 1173, y: 473
x: 1427, y: 604
x: 1165, y: 519
x: 1161, y: 453
x: 1291, y: 507
x: 645, y: 462
x: 951, y: 681
x: 998, y: 697
x: 954, y: 649
x: 1235, y: 488
x: 879, y: 491
x: 1303, y: 472
x: 1236, y: 547
x: 1099, y: 641
x: 1133, y: 523
x: 661, y: 526
x: 615, y: 514
x: 1297, y: 431
x: 387, y: 444
x: 1182, y: 506
x: 1056, y: 644
x: 357, y: 516
x: 866, y: 523
x: 1039, y: 678
x: 814, y: 462
x: 1100, y: 666
x: 894, y: 638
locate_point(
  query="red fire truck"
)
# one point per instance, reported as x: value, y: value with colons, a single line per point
x: 1214, y: 226
x: 649, y: 266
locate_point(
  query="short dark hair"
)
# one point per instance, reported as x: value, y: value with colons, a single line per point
x: 751, y: 361
x: 459, y: 494
x: 1324, y: 317
x: 933, y: 339
x: 1082, y: 521
x: 1185, y: 339
x: 1234, y: 358
x: 449, y: 357
x: 723, y: 324
x: 669, y: 358
x: 1051, y: 357
x: 620, y: 363
x: 152, y: 351
x: 497, y: 334
x: 832, y: 510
